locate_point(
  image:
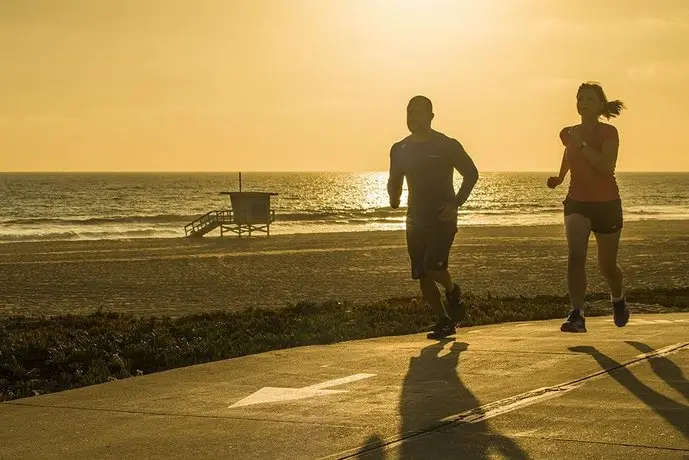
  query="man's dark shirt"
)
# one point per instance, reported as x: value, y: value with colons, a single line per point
x: 429, y: 168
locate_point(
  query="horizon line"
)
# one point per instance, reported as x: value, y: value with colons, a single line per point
x: 286, y: 171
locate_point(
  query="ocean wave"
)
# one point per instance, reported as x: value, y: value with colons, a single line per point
x: 378, y: 214
x: 101, y: 220
x: 97, y: 235
x: 50, y: 236
x: 305, y: 216
x: 339, y: 215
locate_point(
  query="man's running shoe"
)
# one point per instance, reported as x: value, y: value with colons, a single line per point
x: 445, y: 327
x: 575, y: 322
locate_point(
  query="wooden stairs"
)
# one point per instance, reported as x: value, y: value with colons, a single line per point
x: 208, y: 222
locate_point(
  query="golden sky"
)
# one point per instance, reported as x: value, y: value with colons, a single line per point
x: 278, y: 85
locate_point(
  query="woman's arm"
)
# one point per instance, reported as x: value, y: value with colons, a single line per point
x: 564, y: 166
x: 605, y: 160
x: 564, y: 169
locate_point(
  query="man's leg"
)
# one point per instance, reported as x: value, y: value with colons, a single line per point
x: 417, y: 245
x: 418, y: 240
x: 431, y: 295
x: 445, y: 326
x: 443, y: 278
x: 436, y: 262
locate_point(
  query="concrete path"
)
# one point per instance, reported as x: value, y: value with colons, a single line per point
x: 517, y: 390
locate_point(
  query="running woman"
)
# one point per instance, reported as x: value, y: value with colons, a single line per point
x: 593, y: 201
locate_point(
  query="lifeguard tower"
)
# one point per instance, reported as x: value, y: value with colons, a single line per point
x: 249, y: 212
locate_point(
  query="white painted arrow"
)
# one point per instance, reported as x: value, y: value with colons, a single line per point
x: 273, y: 394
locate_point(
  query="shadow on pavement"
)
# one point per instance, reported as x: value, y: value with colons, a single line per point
x: 433, y: 390
x: 675, y: 413
x: 665, y: 369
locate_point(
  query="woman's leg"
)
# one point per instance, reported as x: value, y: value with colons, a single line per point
x: 578, y: 230
x: 608, y: 246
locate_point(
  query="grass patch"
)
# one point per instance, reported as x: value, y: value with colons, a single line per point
x: 47, y: 354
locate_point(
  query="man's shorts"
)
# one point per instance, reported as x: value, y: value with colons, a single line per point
x: 605, y: 216
x: 429, y: 247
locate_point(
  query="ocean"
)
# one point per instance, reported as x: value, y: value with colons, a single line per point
x: 87, y: 206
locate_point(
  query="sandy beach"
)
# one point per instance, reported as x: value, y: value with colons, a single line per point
x: 182, y: 276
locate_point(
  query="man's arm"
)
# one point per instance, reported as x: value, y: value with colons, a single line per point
x: 395, y: 180
x: 466, y: 167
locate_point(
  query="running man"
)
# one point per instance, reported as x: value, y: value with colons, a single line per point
x: 428, y: 159
x: 593, y: 202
